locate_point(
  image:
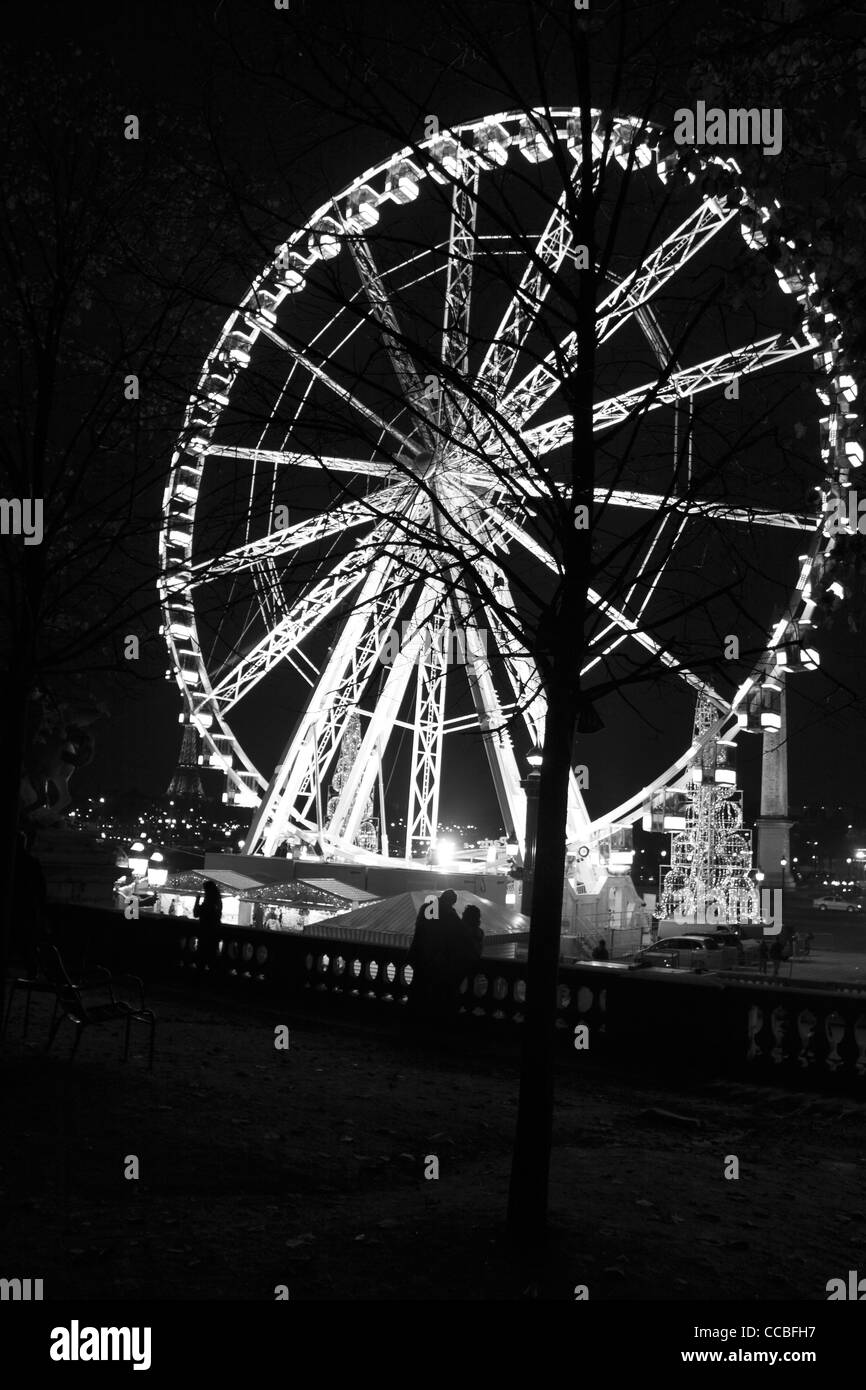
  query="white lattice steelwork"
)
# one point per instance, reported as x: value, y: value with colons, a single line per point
x: 394, y: 422
x: 367, y: 837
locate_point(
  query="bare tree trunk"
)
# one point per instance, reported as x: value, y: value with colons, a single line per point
x: 560, y: 643
x: 530, y: 1169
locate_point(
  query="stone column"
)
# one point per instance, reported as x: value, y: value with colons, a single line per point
x: 774, y: 826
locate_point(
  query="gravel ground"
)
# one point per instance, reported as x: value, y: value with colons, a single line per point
x: 305, y: 1168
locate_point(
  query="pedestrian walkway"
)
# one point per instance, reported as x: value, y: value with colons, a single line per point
x: 820, y: 967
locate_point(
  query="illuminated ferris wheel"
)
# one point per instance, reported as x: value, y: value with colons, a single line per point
x: 313, y: 378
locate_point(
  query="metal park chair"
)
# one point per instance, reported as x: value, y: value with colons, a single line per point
x: 37, y: 982
x: 28, y: 985
x: 70, y: 1003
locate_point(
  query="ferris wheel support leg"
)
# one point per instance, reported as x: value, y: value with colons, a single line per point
x: 296, y: 766
x: 422, y: 817
x: 354, y: 796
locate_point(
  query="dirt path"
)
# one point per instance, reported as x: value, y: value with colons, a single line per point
x: 305, y: 1168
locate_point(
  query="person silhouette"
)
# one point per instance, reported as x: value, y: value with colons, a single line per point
x: 433, y: 955
x: 421, y: 958
x: 472, y: 936
x: 469, y: 945
x: 208, y: 908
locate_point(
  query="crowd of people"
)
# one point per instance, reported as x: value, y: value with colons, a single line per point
x: 799, y: 945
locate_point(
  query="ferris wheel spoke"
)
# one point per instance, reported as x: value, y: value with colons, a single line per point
x: 277, y: 544
x: 325, y: 463
x: 656, y: 269
x: 458, y: 285
x: 522, y: 673
x: 629, y: 626
x: 676, y: 388
x: 542, y: 382
x: 669, y: 504
x: 715, y: 511
x: 308, y: 613
x: 343, y: 392
x: 392, y: 336
x: 704, y: 376
x: 520, y: 316
x: 269, y: 591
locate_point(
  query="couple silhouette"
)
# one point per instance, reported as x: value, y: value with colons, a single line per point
x: 444, y: 948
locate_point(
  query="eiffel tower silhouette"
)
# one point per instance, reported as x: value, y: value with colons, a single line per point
x: 186, y: 784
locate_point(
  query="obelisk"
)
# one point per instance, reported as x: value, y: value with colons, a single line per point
x: 774, y: 826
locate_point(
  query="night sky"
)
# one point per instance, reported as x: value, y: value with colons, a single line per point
x: 178, y: 61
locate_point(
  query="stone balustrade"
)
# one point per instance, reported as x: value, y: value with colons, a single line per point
x: 768, y: 1031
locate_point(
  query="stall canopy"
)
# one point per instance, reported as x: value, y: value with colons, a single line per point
x: 348, y: 891
x: 392, y: 922
x: 313, y: 891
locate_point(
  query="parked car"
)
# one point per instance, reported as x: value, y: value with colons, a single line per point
x: 835, y: 902
x: 684, y: 952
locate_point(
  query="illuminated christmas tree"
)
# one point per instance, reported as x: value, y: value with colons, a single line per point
x: 350, y: 745
x: 709, y: 883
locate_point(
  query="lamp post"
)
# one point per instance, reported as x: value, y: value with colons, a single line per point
x: 137, y: 859
x: 530, y: 784
x: 759, y: 879
x: 157, y: 873
x: 783, y: 864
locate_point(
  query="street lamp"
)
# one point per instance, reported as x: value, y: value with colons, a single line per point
x: 157, y: 873
x: 531, y: 784
x: 784, y: 864
x: 137, y: 859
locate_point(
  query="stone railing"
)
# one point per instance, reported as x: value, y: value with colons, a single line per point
x: 771, y: 1031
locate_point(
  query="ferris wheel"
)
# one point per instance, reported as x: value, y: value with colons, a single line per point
x: 391, y: 453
